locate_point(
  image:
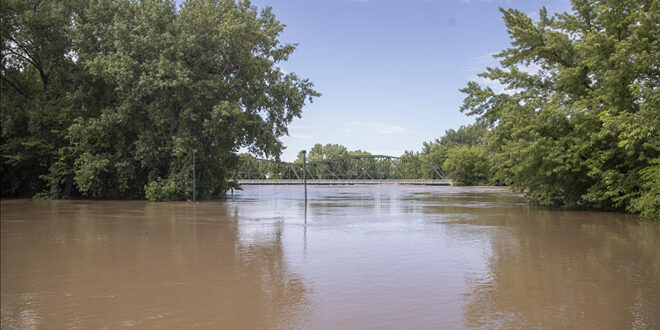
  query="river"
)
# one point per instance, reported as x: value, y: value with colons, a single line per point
x: 354, y: 257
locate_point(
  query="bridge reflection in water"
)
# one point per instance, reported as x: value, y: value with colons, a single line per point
x: 353, y: 169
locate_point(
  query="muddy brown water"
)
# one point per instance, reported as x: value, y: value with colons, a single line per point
x: 357, y: 257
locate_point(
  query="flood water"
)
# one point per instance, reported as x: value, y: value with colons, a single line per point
x: 357, y: 257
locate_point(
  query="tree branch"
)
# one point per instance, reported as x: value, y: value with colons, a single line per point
x: 17, y: 87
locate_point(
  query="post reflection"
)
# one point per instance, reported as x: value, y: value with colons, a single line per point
x: 305, y: 232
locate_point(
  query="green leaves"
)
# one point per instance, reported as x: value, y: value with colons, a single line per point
x: 467, y: 166
x: 148, y: 84
x: 648, y: 201
x: 203, y: 77
x: 38, y: 76
x: 91, y: 174
x: 578, y: 124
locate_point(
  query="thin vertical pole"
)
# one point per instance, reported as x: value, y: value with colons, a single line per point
x: 194, y: 177
x: 305, y: 173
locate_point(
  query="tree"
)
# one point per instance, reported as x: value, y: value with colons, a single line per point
x: 333, y: 158
x: 38, y: 79
x: 135, y: 86
x: 321, y: 152
x: 578, y: 122
x: 469, y: 135
x: 467, y: 166
x: 412, y: 168
x: 436, y: 152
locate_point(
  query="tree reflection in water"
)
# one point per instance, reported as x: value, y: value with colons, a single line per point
x: 124, y: 264
x: 559, y: 269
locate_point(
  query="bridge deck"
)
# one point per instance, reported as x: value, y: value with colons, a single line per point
x: 442, y: 182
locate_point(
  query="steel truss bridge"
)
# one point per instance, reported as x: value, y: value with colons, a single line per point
x: 354, y: 169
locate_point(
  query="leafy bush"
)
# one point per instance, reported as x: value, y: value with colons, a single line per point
x: 648, y: 203
x: 164, y: 190
x: 467, y: 166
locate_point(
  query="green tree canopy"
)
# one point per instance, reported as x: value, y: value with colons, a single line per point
x: 578, y: 122
x: 145, y: 84
x: 39, y: 77
x: 436, y: 152
x: 321, y: 152
x: 467, y: 166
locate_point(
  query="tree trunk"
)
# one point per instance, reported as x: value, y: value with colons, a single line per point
x: 69, y: 186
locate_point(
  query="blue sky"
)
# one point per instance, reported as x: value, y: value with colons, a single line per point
x: 389, y: 70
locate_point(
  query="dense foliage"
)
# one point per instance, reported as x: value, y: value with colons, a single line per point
x: 579, y: 121
x: 108, y: 99
x: 460, y: 153
x: 467, y: 166
x: 329, y: 151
